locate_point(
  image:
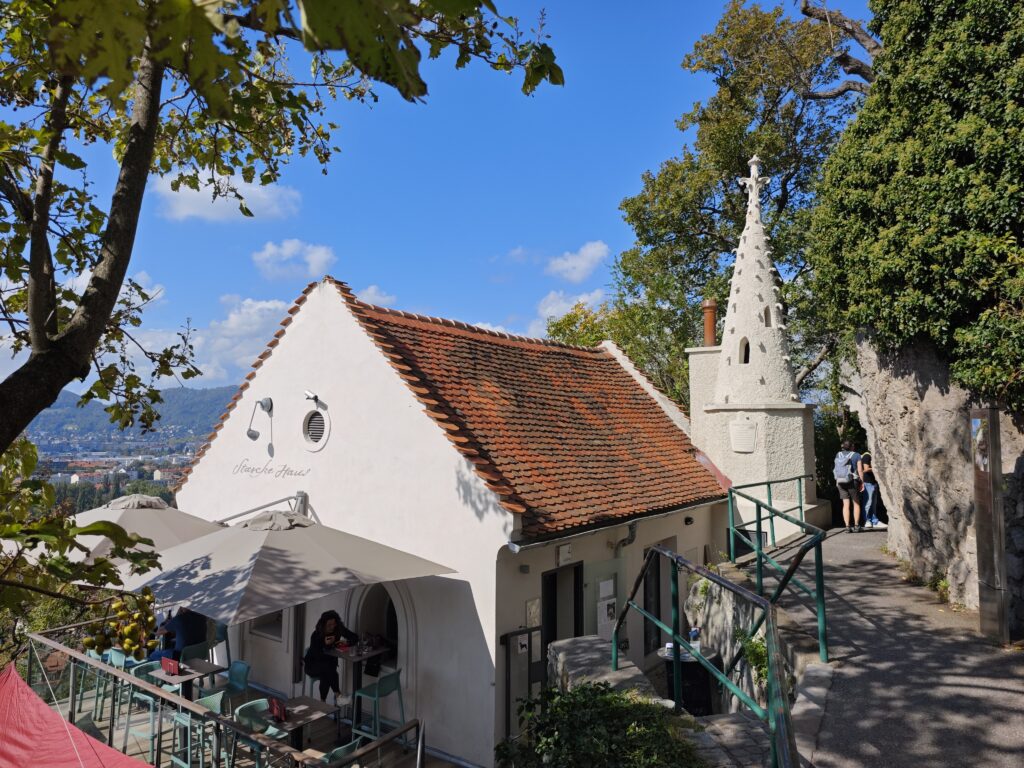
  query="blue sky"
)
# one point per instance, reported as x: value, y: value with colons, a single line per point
x: 481, y: 204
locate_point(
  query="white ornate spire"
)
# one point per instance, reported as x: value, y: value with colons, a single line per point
x: 754, y: 183
x: 754, y: 365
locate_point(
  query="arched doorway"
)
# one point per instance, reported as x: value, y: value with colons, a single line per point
x: 379, y: 617
x: 387, y: 610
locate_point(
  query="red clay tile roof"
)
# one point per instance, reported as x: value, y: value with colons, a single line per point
x: 563, y: 435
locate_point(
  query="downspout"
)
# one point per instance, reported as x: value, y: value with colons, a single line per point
x: 630, y: 538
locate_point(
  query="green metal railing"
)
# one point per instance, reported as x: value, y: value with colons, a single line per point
x: 765, y: 512
x: 777, y: 713
x: 86, y: 690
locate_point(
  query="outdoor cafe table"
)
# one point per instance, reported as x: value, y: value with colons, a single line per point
x: 356, y: 660
x: 191, y: 670
x: 302, y: 710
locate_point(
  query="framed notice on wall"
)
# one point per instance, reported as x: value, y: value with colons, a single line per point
x: 607, y: 613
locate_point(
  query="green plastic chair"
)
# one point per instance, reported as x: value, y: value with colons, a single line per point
x: 189, y: 735
x: 237, y: 683
x: 100, y: 683
x: 250, y: 715
x: 122, y: 661
x: 336, y: 754
x: 384, y: 687
x: 141, y: 671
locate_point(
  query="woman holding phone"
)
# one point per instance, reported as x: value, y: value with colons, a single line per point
x: 317, y: 662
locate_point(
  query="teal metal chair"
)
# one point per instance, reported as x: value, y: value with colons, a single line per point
x: 337, y: 754
x: 101, y: 683
x: 147, y: 729
x: 250, y: 715
x: 385, y: 686
x: 237, y: 682
x: 189, y: 735
x: 119, y: 697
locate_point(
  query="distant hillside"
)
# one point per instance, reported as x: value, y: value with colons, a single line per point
x: 183, y: 412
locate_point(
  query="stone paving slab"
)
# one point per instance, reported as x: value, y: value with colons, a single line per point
x: 914, y: 683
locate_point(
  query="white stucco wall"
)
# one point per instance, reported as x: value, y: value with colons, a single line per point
x: 386, y: 473
x: 703, y: 374
x: 705, y: 537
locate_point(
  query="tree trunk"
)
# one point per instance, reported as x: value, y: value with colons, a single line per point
x: 35, y: 385
x: 919, y: 438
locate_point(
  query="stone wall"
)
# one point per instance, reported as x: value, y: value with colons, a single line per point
x: 918, y: 434
x: 719, y: 613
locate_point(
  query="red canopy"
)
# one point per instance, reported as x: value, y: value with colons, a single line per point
x: 31, y: 733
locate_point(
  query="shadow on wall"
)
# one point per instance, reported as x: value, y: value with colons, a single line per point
x: 455, y: 672
x: 473, y: 494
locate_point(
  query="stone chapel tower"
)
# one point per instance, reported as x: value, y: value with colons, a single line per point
x: 744, y: 410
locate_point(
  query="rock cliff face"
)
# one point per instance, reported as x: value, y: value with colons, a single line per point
x: 918, y: 433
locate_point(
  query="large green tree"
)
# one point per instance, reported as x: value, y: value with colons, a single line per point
x: 777, y: 96
x: 919, y: 235
x: 208, y: 92
x: 211, y: 94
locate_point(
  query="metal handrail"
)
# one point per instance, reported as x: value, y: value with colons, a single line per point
x: 219, y: 721
x: 373, y: 746
x: 777, y: 714
x: 816, y: 537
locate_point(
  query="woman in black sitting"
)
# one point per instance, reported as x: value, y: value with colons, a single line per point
x: 329, y: 631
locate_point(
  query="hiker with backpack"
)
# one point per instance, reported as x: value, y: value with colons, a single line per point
x: 848, y: 480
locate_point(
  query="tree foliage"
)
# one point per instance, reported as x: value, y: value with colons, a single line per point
x: 206, y: 92
x: 919, y: 233
x: 688, y: 216
x: 42, y: 571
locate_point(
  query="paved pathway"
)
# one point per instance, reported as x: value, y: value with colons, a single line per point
x: 914, y: 683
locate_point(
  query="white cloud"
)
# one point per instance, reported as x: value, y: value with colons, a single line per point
x: 293, y: 258
x: 9, y: 362
x: 229, y: 346
x: 156, y: 291
x: 557, y: 303
x: 274, y: 201
x: 577, y: 266
x: 374, y: 294
x: 493, y: 327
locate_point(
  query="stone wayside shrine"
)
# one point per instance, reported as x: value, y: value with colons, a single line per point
x: 744, y: 410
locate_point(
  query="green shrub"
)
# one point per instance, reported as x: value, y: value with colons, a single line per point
x: 593, y: 726
x: 755, y: 652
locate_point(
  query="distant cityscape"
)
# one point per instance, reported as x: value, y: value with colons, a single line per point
x: 89, y: 461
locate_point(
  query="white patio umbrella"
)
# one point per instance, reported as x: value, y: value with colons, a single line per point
x: 149, y: 516
x: 270, y: 562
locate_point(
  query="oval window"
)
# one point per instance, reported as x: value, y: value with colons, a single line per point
x: 315, y: 429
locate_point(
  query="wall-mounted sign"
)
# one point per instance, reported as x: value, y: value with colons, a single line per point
x: 565, y: 554
x: 743, y: 435
x: 269, y: 469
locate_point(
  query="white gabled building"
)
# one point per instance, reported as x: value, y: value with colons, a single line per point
x: 535, y: 470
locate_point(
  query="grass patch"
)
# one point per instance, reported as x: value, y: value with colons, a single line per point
x: 939, y: 584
